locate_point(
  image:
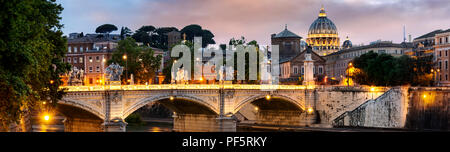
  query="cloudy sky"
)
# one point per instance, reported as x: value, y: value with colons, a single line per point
x: 363, y: 21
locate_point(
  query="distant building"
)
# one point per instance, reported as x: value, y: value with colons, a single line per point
x: 424, y: 45
x: 89, y: 53
x: 292, y: 69
x: 337, y: 63
x: 288, y: 42
x: 323, y: 35
x: 442, y: 57
x: 173, y: 38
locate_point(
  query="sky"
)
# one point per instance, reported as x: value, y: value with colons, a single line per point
x: 363, y: 21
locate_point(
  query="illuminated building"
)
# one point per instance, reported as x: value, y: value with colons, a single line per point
x: 323, y: 35
x: 442, y: 57
x: 292, y: 69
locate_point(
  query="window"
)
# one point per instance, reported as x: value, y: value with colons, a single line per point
x: 69, y: 60
x: 295, y: 70
x: 97, y: 58
x: 75, y: 60
x: 75, y: 50
x: 446, y: 65
x: 446, y: 54
x: 381, y: 51
x: 91, y: 81
x: 70, y: 49
x: 446, y: 39
x: 440, y: 53
x: 320, y: 70
x: 440, y: 65
x: 98, y: 69
x: 90, y: 59
x: 81, y: 49
x: 446, y: 77
x: 90, y: 69
x: 81, y: 59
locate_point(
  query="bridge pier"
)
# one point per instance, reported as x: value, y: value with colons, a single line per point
x: 114, y: 126
x: 203, y: 123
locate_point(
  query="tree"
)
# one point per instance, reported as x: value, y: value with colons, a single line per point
x: 143, y: 34
x: 31, y: 52
x: 154, y: 37
x: 235, y: 42
x: 125, y: 32
x: 150, y: 64
x: 106, y: 28
x: 386, y: 70
x: 140, y: 60
x: 242, y: 41
x: 195, y: 30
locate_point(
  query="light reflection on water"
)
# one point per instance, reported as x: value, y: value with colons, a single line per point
x: 151, y: 127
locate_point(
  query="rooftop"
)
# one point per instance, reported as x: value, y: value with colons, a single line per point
x: 286, y: 33
x: 374, y: 45
x: 431, y: 34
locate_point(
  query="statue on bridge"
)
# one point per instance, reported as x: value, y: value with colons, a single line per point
x: 113, y: 73
x: 76, y: 76
x: 226, y: 74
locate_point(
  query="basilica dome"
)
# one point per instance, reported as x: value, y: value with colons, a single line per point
x: 323, y: 35
x: 322, y: 25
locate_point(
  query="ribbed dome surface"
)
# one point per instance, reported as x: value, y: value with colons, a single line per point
x: 322, y: 25
x: 347, y: 44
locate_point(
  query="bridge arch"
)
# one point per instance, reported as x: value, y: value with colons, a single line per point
x: 141, y: 103
x: 86, y: 107
x: 249, y: 100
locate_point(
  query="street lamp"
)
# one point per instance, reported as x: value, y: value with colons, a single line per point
x: 126, y: 62
x: 268, y: 97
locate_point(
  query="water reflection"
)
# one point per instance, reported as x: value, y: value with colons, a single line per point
x: 151, y: 127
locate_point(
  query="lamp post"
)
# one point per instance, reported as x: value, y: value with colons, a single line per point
x: 126, y: 64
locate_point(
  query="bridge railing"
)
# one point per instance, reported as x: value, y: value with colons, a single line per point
x: 186, y: 87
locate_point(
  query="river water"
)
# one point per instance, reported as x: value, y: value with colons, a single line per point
x: 151, y: 127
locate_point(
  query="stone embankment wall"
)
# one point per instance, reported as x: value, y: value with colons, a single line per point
x: 429, y: 108
x: 405, y: 108
x: 82, y: 125
x: 285, y: 118
x: 203, y: 123
x: 331, y: 102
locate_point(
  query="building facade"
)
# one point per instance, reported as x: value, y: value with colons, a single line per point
x: 323, y: 35
x: 173, y: 38
x: 289, y: 43
x: 292, y: 69
x: 442, y: 57
x: 89, y: 53
x: 424, y: 45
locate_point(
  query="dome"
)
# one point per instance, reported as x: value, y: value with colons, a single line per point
x: 347, y: 44
x: 322, y: 25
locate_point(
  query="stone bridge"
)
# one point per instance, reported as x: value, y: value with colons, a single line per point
x: 212, y: 107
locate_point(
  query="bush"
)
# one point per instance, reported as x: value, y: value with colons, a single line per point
x: 134, y: 119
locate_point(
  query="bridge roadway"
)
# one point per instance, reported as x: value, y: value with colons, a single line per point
x: 211, y: 107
